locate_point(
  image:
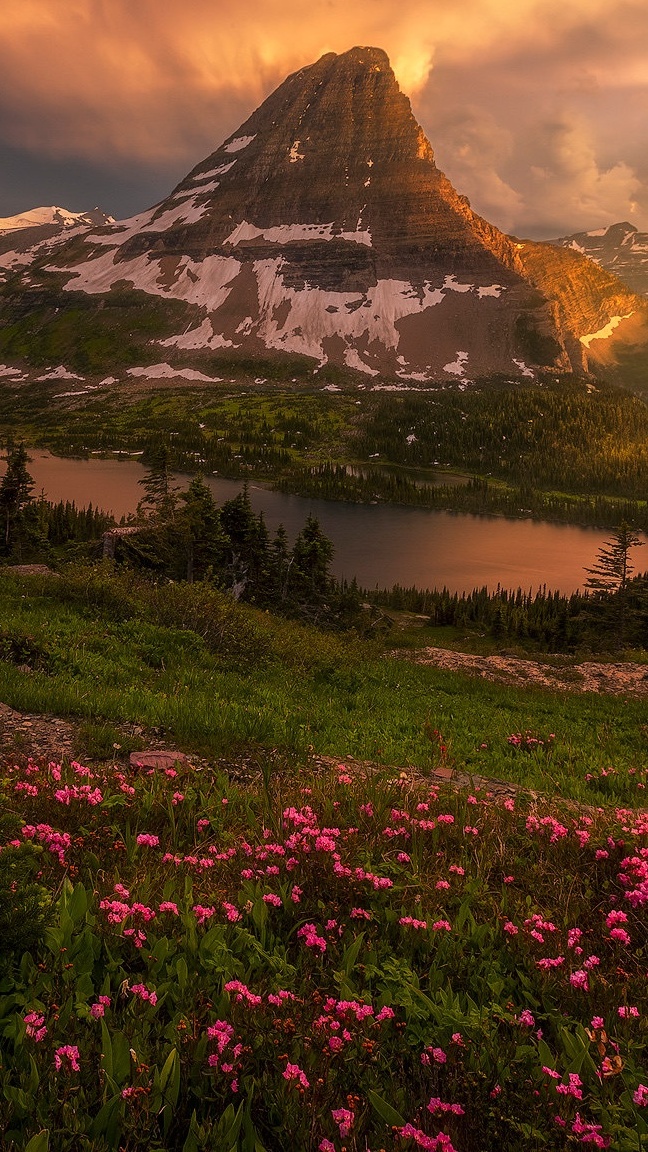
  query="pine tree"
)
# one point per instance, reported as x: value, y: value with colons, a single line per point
x: 312, y: 555
x: 161, y: 496
x: 15, y: 495
x: 609, y: 579
x: 202, y: 531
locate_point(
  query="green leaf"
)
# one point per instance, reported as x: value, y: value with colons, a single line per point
x: 106, y: 1122
x: 39, y: 1143
x: 351, y: 954
x: 106, y: 1050
x: 121, y: 1057
x: 77, y: 904
x: 385, y: 1110
x: 182, y: 973
x: 170, y: 1077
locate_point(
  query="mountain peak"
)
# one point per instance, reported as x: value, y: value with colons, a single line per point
x: 322, y: 227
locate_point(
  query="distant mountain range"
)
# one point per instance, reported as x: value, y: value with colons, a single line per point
x: 621, y: 249
x: 323, y: 229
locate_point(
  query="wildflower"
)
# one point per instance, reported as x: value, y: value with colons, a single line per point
x: 409, y: 921
x: 442, y: 926
x: 148, y: 841
x: 573, y: 1088
x: 526, y: 1018
x: 243, y: 993
x: 202, y: 913
x: 326, y: 1146
x: 626, y: 1011
x: 344, y: 1119
x: 294, y: 1072
x: 169, y: 906
x: 309, y: 935
x: 35, y: 1026
x: 231, y: 912
x: 436, y: 1105
x: 68, y: 1056
x: 98, y: 1009
x: 271, y: 898
x: 177, y: 798
x: 640, y: 1097
x: 360, y: 914
x: 510, y: 928
x: 144, y: 993
x: 442, y: 885
x: 579, y: 980
x: 385, y: 1013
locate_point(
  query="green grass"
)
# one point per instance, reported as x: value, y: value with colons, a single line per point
x: 218, y: 677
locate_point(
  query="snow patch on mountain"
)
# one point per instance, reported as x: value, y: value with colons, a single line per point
x: 166, y: 371
x: 458, y: 366
x: 287, y: 233
x: 205, y: 282
x: 60, y: 373
x: 604, y: 333
x: 238, y: 144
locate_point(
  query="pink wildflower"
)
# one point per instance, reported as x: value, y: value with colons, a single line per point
x: 169, y: 906
x: 144, y: 993
x: 640, y: 1097
x: 579, y: 979
x: 344, y: 1119
x: 35, y: 1026
x: 67, y: 1056
x: 148, y: 841
x: 294, y: 1072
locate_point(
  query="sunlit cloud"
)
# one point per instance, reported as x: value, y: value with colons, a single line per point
x: 537, y: 110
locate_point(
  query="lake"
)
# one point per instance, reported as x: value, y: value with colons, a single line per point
x: 380, y: 545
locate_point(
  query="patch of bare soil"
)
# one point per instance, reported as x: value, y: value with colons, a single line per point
x: 622, y: 679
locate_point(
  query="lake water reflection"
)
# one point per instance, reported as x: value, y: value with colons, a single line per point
x: 379, y: 545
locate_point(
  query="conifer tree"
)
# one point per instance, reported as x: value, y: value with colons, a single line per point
x: 609, y: 579
x: 15, y: 495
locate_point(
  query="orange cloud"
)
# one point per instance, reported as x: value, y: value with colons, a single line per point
x: 161, y: 82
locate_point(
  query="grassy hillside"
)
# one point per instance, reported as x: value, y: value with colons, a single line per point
x: 217, y: 677
x: 321, y: 957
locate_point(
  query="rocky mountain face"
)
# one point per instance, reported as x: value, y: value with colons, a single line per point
x: 620, y: 249
x: 323, y: 228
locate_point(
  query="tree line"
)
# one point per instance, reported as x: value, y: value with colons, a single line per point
x: 611, y: 613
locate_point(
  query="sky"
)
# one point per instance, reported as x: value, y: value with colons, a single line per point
x: 537, y: 110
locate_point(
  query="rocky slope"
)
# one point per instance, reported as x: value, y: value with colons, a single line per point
x: 323, y: 228
x: 620, y: 249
